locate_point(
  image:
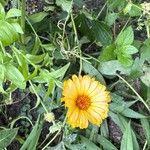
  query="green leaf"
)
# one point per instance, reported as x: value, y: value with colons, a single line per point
x: 97, y: 31
x: 110, y: 68
x: 108, y: 53
x: 145, y: 54
x: 6, y: 137
x: 127, y: 8
x: 101, y: 33
x: 146, y: 77
x: 35, y: 59
x: 135, y: 11
x: 146, y: 126
x: 37, y: 17
x: 8, y: 34
x: 126, y: 37
x: 89, y: 69
x: 17, y: 27
x: 2, y: 76
x: 15, y: 76
x: 127, y: 143
x: 31, y: 141
x: 59, y: 146
x: 88, y: 144
x: 107, y: 145
x: 129, y: 49
x: 60, y: 72
x: 65, y: 4
x: 125, y: 59
x: 2, y: 12
x: 111, y: 18
x: 13, y: 13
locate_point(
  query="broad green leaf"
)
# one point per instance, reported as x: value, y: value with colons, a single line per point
x: 129, y: 49
x: 37, y: 17
x: 107, y: 145
x: 127, y: 142
x: 125, y: 59
x: 13, y: 13
x: 101, y: 33
x: 6, y: 137
x: 127, y: 8
x: 17, y: 27
x: 89, y: 69
x: 111, y: 18
x: 110, y: 68
x: 15, y: 76
x: 135, y: 11
x: 2, y: 12
x: 126, y: 37
x: 65, y: 4
x: 108, y: 53
x: 35, y: 59
x: 97, y: 31
x: 88, y: 144
x: 8, y: 34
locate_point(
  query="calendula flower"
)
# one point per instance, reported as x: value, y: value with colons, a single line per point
x: 86, y: 100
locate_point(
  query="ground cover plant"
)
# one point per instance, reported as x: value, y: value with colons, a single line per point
x: 74, y: 74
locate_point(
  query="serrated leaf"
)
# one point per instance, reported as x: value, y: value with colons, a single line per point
x: 125, y: 59
x: 126, y: 37
x: 6, y: 137
x: 108, y: 53
x: 127, y: 143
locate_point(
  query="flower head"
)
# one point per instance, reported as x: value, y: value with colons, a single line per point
x: 86, y: 100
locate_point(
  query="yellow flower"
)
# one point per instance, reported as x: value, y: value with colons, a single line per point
x: 86, y: 100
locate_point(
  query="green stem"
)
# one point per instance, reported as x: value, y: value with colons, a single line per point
x: 77, y: 41
x: 23, y: 15
x: 101, y: 11
x: 140, y: 98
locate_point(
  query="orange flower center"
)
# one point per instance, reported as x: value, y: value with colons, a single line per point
x: 83, y: 102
